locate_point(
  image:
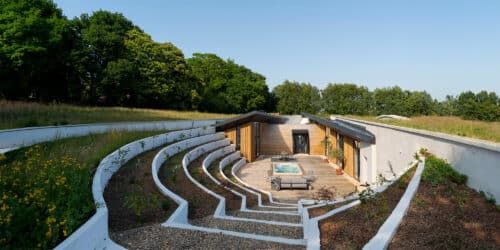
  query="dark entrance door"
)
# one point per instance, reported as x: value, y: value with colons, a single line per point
x: 300, y: 142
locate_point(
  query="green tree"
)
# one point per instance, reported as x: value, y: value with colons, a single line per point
x: 294, y: 97
x: 482, y: 106
x: 390, y: 101
x: 164, y: 77
x: 227, y: 87
x: 102, y: 41
x: 346, y: 99
x: 419, y: 103
x: 35, y: 40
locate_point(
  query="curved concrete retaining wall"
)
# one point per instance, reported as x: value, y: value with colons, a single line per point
x: 214, y: 156
x: 311, y: 226
x: 94, y: 233
x: 233, y: 157
x: 479, y: 160
x: 242, y: 163
x: 180, y: 215
x: 385, y: 233
x: 14, y: 138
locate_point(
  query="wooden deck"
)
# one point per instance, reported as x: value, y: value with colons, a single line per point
x: 256, y: 174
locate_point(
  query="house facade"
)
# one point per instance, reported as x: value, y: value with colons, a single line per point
x: 259, y: 133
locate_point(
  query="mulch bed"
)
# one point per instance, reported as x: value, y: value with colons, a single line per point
x: 353, y: 228
x: 315, y: 212
x: 448, y: 217
x: 172, y: 176
x: 233, y: 202
x: 134, y: 180
x: 214, y: 170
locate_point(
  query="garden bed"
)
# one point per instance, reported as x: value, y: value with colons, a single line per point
x: 318, y: 211
x: 213, y: 169
x: 132, y: 197
x: 46, y: 188
x: 229, y: 174
x: 233, y: 202
x: 353, y: 228
x: 448, y: 215
x: 172, y: 175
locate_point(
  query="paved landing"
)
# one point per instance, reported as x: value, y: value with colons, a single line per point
x: 256, y: 174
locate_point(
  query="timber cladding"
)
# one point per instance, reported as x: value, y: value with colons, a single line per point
x: 247, y: 146
x: 277, y: 138
x: 349, y: 156
x: 231, y: 134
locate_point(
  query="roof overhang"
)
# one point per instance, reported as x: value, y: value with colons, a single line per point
x: 349, y: 129
x: 254, y: 116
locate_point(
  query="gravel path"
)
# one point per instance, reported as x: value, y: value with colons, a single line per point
x: 283, y: 209
x: 275, y: 217
x: 157, y: 237
x: 251, y: 227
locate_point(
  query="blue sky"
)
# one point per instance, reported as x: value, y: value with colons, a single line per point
x: 443, y: 47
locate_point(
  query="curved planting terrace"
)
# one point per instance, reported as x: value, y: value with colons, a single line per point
x: 183, y: 189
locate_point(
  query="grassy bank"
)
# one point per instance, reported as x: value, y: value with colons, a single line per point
x: 23, y: 114
x: 446, y: 124
x: 45, y: 189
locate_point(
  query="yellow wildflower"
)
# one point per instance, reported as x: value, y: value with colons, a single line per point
x: 2, y: 157
x: 4, y: 207
x: 52, y: 208
x: 65, y: 233
x: 49, y: 233
x: 8, y: 218
x: 50, y: 220
x: 62, y: 222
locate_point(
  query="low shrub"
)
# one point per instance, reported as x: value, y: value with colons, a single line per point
x: 42, y: 201
x: 437, y: 171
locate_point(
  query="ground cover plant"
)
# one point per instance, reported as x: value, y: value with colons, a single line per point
x: 446, y: 214
x: 45, y: 189
x: 446, y: 124
x: 132, y: 197
x: 24, y: 114
x: 353, y: 228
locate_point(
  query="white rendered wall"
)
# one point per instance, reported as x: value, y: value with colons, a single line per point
x: 395, y: 146
x: 93, y: 234
x: 15, y: 138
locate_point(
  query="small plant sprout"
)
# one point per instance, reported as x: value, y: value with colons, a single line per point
x: 143, y: 143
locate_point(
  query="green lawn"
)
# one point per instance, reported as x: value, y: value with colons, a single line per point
x: 483, y: 130
x: 23, y: 114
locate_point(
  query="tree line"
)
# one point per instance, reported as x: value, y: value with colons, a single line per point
x: 104, y: 59
x: 351, y: 99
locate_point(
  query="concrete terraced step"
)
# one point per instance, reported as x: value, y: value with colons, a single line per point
x: 271, y: 207
x: 266, y: 216
x: 250, y: 227
x: 157, y: 237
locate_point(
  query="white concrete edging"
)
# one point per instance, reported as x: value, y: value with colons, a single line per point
x: 220, y: 211
x: 180, y: 215
x: 222, y: 152
x: 94, y: 233
x: 179, y: 219
x: 231, y: 158
x: 385, y: 233
x: 242, y: 163
x: 11, y: 139
x: 311, y: 226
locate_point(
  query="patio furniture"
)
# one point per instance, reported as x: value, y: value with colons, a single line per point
x: 278, y: 183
